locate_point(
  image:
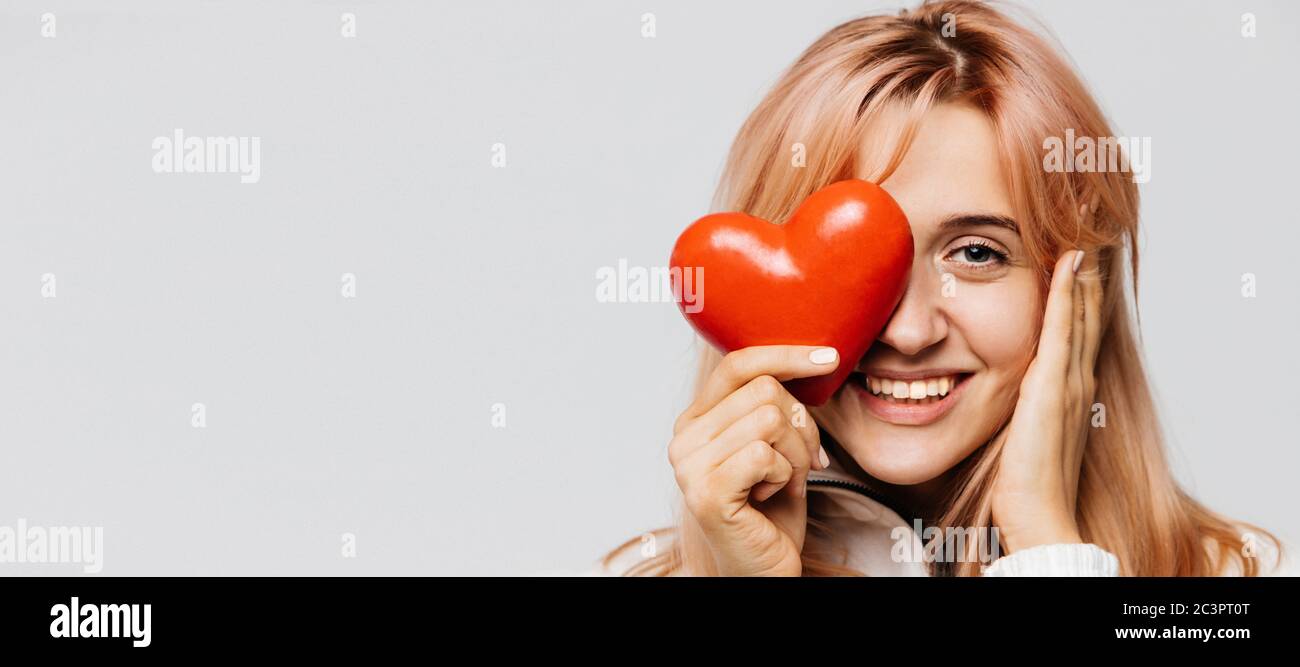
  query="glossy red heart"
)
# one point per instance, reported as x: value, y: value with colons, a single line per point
x: 831, y: 275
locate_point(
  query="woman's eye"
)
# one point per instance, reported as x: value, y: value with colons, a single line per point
x: 977, y: 255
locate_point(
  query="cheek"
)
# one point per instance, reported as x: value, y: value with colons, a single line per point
x: 999, y: 322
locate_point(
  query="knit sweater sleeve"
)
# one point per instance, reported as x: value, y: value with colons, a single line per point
x: 1056, y: 560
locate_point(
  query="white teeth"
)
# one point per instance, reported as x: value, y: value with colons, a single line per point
x: 915, y: 390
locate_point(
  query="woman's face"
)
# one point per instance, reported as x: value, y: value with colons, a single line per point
x: 965, y: 329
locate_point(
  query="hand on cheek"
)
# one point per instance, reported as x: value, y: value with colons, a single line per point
x: 1034, y: 490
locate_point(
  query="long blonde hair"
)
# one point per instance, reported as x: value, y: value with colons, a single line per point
x: 1128, y: 501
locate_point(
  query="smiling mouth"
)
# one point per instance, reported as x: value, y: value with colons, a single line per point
x: 914, y: 400
x: 913, y: 392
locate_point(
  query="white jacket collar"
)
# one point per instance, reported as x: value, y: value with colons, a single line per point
x: 876, y: 540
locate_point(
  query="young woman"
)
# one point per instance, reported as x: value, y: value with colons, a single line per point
x: 1005, y: 401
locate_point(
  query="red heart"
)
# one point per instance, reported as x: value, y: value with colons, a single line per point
x: 831, y: 275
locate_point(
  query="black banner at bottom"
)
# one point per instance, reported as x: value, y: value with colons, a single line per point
x: 199, y: 616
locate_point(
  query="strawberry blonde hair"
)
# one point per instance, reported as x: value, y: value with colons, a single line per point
x: 1128, y: 501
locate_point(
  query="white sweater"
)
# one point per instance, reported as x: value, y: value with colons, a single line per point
x: 878, y: 542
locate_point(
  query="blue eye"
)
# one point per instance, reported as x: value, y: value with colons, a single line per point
x: 976, y: 253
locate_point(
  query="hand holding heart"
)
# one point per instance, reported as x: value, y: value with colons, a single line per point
x: 795, y: 305
x: 830, y: 276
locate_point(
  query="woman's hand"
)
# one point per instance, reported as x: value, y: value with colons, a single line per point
x: 741, y: 453
x: 1037, y: 481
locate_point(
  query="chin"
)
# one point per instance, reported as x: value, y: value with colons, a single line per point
x: 901, y: 456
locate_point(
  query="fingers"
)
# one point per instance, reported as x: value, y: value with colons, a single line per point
x: 762, y: 390
x: 1054, y: 343
x: 1086, y: 333
x: 756, y: 464
x: 767, y: 424
x: 783, y: 362
x: 1090, y: 276
x: 746, y: 380
x: 1079, y: 314
x: 721, y: 494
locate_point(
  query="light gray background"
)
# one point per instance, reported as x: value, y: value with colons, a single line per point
x: 476, y: 285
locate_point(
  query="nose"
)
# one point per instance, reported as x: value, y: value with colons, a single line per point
x: 919, y: 322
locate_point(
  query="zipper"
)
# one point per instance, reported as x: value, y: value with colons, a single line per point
x: 864, y: 490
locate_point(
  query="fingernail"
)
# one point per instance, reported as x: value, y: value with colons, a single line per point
x: 821, y: 456
x: 1078, y: 260
x: 823, y: 355
x: 803, y: 490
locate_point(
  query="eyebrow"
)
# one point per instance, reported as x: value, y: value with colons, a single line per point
x: 975, y: 220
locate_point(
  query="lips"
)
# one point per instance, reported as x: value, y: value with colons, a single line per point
x: 910, y: 399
